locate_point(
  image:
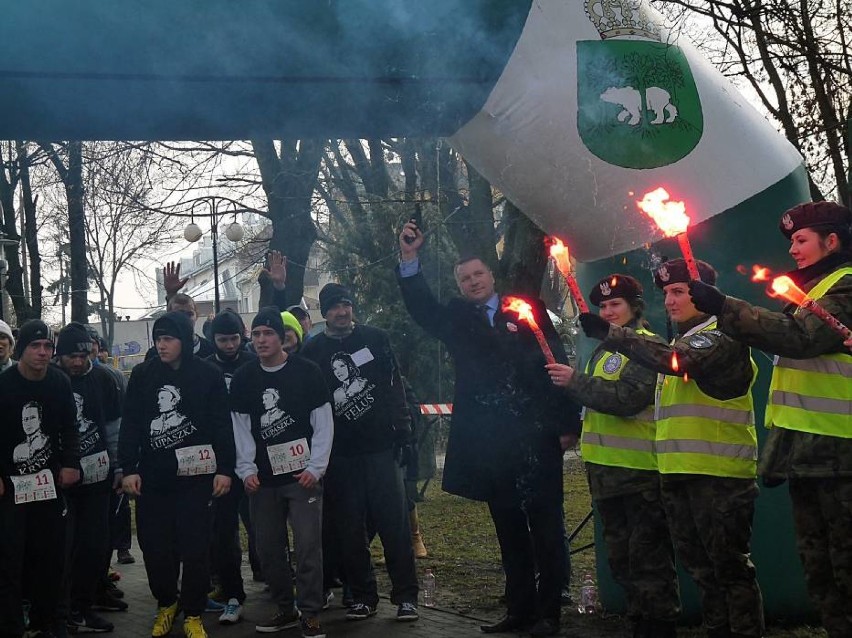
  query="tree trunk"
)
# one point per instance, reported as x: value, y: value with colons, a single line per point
x: 524, y: 258
x: 30, y: 228
x: 289, y: 181
x: 77, y: 233
x: 14, y: 283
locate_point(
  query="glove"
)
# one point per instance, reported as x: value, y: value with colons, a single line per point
x: 705, y: 297
x: 594, y: 326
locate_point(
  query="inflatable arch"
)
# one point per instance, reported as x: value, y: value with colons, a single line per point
x: 573, y: 108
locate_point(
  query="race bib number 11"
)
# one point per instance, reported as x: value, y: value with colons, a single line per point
x: 292, y: 456
x: 195, y: 460
x: 30, y: 488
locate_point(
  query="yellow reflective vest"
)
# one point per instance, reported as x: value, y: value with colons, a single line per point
x: 697, y: 434
x: 813, y: 395
x: 618, y: 441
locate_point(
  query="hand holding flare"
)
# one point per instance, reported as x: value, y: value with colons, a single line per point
x: 524, y: 311
x: 785, y: 288
x: 559, y: 253
x: 671, y: 218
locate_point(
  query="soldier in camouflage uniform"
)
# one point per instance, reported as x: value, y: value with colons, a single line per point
x: 618, y: 449
x: 706, y: 448
x: 810, y: 403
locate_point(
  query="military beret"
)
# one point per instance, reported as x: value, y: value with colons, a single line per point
x: 814, y: 215
x: 613, y: 286
x: 674, y: 271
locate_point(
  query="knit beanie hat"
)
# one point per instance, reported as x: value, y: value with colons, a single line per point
x: 72, y: 339
x: 6, y: 330
x: 227, y: 322
x: 270, y: 317
x: 32, y: 330
x: 332, y: 294
x: 291, y: 323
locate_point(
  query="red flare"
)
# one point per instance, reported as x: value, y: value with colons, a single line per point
x: 675, y: 363
x: 760, y: 273
x: 559, y: 254
x: 525, y: 314
x: 670, y: 216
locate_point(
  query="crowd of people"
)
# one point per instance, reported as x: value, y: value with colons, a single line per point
x: 303, y: 437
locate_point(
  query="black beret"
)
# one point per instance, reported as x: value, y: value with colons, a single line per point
x: 675, y: 271
x: 814, y: 215
x: 617, y: 285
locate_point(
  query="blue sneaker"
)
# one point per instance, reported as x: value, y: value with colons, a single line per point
x: 213, y: 607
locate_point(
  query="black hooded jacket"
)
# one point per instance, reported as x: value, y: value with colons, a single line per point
x: 167, y: 409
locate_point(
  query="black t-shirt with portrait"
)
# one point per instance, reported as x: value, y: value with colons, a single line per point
x: 230, y: 366
x: 39, y: 428
x: 280, y: 405
x: 97, y: 403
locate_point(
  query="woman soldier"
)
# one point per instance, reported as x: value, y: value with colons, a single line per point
x: 618, y: 449
x: 809, y: 409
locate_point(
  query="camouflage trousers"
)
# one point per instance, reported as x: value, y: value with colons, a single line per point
x: 822, y: 512
x: 710, y: 519
x: 641, y: 556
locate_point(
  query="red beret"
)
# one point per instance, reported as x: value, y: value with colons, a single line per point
x: 814, y: 215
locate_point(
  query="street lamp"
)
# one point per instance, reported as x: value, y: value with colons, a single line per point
x: 234, y: 232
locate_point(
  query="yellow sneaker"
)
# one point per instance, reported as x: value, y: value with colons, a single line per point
x: 192, y: 627
x: 164, y: 621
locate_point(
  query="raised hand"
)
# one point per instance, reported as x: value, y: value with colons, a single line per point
x: 409, y: 250
x: 276, y: 269
x: 171, y: 278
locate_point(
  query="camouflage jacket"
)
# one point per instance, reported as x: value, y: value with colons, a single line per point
x: 627, y: 396
x: 790, y: 453
x: 718, y: 364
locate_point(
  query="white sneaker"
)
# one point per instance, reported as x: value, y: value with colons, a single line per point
x: 232, y: 614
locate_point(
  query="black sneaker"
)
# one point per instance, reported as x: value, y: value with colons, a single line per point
x: 312, y: 628
x: 107, y: 602
x: 406, y: 612
x: 86, y: 622
x: 113, y: 590
x: 327, y: 597
x: 360, y: 611
x: 280, y: 621
x: 124, y: 557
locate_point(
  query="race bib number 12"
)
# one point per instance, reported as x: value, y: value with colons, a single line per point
x: 195, y: 460
x: 95, y: 467
x: 30, y: 488
x: 292, y: 456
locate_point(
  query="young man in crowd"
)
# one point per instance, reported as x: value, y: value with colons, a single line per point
x: 176, y: 449
x: 7, y: 343
x: 364, y: 478
x: 98, y: 410
x: 39, y: 457
x: 283, y: 427
x: 228, y: 334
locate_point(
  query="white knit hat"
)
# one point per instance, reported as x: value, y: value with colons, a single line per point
x: 6, y: 330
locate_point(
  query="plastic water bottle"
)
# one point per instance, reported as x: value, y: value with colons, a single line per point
x: 588, y: 596
x: 429, y: 585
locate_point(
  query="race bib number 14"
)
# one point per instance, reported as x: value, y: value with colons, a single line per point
x: 292, y: 456
x: 34, y: 487
x: 195, y: 460
x: 95, y: 467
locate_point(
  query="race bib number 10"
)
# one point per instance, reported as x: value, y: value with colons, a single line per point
x: 30, y: 488
x: 195, y: 460
x: 95, y: 467
x: 292, y: 456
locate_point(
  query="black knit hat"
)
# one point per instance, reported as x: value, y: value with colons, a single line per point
x: 814, y: 215
x: 270, y: 317
x: 227, y: 322
x: 332, y: 294
x: 32, y: 330
x: 72, y: 339
x: 613, y: 286
x: 674, y: 271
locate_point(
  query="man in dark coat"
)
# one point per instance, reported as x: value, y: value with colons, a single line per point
x: 508, y: 423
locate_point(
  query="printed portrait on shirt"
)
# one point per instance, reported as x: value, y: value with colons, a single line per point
x: 274, y: 420
x: 171, y: 426
x: 83, y: 424
x: 33, y: 453
x: 352, y: 397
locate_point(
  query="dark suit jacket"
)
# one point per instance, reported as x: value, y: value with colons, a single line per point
x: 507, y: 415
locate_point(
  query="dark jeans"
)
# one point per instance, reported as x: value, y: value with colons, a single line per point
x: 245, y: 516
x: 370, y: 486
x: 32, y: 555
x: 174, y: 527
x: 225, y: 550
x: 528, y: 537
x: 88, y: 507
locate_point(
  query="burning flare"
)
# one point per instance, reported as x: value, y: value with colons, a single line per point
x: 525, y: 314
x: 670, y: 217
x: 559, y: 254
x: 785, y: 288
x: 760, y: 273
